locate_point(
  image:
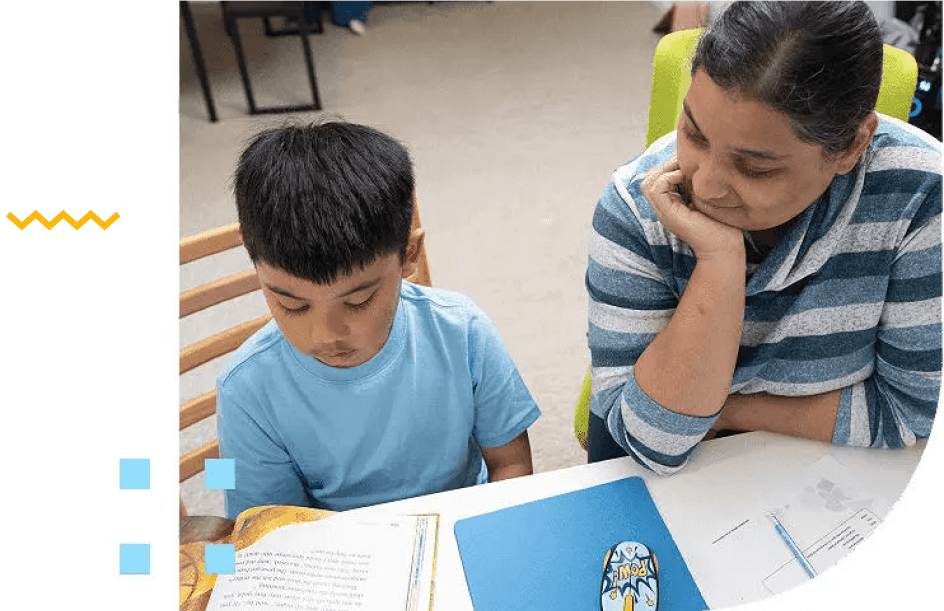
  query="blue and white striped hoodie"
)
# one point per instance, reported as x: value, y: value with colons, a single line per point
x: 850, y: 299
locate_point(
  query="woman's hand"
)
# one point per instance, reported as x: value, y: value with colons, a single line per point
x: 709, y: 239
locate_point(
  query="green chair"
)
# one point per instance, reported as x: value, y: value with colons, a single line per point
x: 671, y: 77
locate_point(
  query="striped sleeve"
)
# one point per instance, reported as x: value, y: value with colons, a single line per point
x: 897, y: 404
x: 630, y: 302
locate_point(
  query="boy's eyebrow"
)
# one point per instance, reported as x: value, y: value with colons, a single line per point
x: 745, y: 152
x: 360, y: 287
x: 276, y: 289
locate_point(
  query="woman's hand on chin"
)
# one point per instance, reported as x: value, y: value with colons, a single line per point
x: 709, y: 239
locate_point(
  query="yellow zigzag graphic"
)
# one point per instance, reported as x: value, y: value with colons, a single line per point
x: 35, y: 215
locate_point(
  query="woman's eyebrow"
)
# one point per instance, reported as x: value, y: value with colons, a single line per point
x: 763, y: 155
x: 688, y: 113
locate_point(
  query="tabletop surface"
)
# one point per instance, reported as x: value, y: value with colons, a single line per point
x: 723, y: 476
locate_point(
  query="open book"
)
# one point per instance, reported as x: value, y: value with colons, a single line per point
x: 337, y: 564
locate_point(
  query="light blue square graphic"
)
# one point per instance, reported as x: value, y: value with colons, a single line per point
x: 135, y: 473
x: 220, y: 473
x: 134, y: 559
x: 219, y: 558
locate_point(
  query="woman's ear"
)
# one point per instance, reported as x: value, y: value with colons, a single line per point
x: 848, y: 160
x: 413, y: 249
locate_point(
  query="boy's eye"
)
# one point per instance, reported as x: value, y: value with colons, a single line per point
x: 299, y: 310
x: 362, y: 304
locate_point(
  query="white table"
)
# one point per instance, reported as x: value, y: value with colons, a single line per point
x: 723, y: 474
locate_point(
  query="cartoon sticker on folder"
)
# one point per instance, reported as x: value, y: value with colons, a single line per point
x: 630, y: 578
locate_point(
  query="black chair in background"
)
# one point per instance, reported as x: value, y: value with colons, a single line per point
x: 187, y: 16
x: 301, y: 19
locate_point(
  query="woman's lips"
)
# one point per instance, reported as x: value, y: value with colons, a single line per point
x: 700, y: 203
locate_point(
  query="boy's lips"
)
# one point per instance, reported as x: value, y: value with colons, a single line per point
x: 334, y: 356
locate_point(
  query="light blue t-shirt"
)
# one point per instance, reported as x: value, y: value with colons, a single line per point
x: 408, y: 422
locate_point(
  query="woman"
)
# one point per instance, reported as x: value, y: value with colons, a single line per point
x: 775, y: 263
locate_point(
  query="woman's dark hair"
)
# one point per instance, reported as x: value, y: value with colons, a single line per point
x: 819, y: 63
x: 322, y: 200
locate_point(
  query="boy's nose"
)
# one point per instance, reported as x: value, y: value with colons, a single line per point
x: 327, y: 330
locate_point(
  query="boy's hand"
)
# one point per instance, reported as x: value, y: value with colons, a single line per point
x: 707, y: 237
x: 510, y: 460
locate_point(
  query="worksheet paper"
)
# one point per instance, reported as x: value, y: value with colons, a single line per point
x: 822, y: 508
x: 337, y: 564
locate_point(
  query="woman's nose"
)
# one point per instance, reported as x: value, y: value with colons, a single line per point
x: 709, y: 181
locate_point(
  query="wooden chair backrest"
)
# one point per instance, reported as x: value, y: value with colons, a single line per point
x: 194, y: 300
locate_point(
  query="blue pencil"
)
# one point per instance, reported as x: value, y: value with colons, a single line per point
x: 793, y: 546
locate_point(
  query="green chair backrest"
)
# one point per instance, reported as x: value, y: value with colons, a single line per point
x: 671, y: 77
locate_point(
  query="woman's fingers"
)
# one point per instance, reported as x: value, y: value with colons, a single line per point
x: 664, y: 178
x: 662, y: 187
x: 669, y: 182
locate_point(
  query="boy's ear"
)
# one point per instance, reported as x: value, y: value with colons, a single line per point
x: 413, y: 249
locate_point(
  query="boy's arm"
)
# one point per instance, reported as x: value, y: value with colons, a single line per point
x: 504, y: 408
x: 510, y: 460
x: 265, y: 473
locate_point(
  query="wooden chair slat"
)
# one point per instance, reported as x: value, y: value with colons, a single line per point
x: 209, y: 243
x: 197, y: 409
x: 191, y: 463
x: 422, y: 275
x: 218, y: 291
x: 217, y: 345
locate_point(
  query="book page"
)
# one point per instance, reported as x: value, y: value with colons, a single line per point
x: 337, y: 564
x: 423, y: 576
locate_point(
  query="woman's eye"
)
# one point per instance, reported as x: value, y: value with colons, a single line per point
x: 694, y: 137
x: 755, y: 173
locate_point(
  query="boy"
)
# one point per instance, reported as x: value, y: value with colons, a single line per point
x: 363, y: 389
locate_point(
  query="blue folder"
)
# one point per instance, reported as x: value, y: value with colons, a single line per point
x: 548, y: 554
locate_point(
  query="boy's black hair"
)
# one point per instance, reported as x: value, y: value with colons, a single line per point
x: 323, y: 200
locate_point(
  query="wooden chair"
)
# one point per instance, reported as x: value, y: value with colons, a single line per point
x: 194, y: 300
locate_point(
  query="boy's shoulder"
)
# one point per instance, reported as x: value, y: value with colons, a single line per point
x: 444, y: 318
x: 438, y: 302
x: 257, y: 351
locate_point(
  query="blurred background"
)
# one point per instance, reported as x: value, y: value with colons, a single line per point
x: 515, y: 114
